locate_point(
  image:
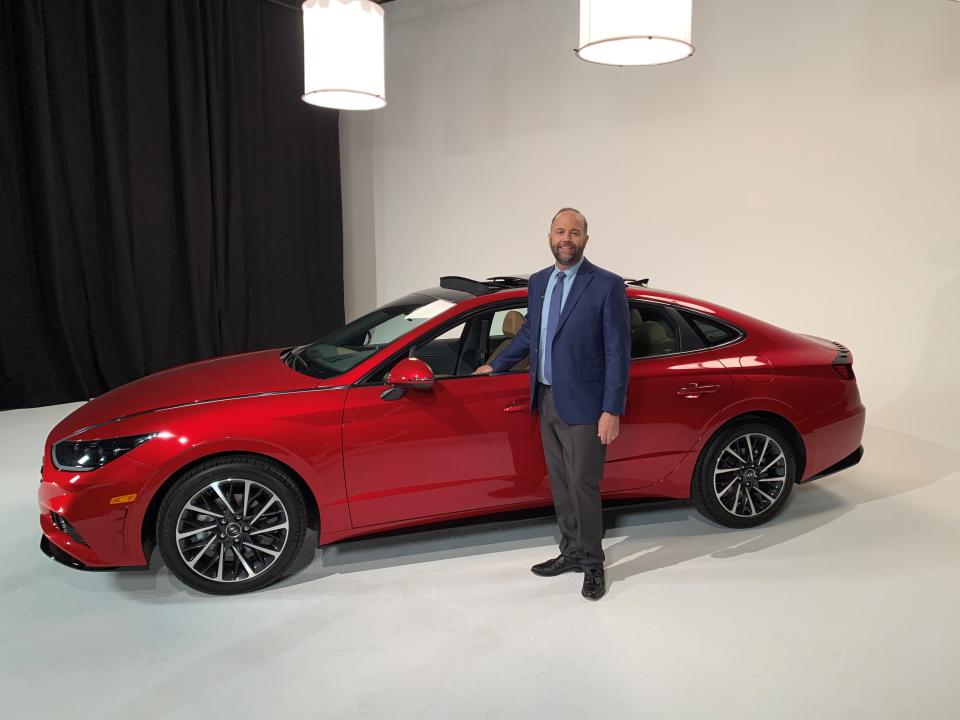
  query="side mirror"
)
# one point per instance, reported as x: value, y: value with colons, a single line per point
x: 411, y: 374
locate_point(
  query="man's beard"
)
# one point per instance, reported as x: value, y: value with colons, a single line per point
x: 574, y: 259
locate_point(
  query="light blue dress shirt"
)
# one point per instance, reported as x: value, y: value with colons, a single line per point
x: 570, y: 276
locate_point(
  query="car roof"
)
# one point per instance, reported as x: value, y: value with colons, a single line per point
x: 461, y: 290
x: 457, y: 289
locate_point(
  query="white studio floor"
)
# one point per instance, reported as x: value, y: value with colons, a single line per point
x: 845, y: 606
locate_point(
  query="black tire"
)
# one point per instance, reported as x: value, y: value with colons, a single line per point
x: 236, y: 550
x: 731, y: 504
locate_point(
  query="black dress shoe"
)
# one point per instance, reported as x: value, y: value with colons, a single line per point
x: 594, y: 584
x: 556, y: 566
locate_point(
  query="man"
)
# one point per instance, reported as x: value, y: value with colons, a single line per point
x: 577, y: 334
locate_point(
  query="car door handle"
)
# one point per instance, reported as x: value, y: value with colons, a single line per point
x: 515, y: 406
x: 695, y: 390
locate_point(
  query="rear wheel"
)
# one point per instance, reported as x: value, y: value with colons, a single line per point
x: 744, y: 475
x: 231, y: 525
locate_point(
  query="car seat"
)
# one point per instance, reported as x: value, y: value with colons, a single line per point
x: 512, y: 322
x: 649, y: 337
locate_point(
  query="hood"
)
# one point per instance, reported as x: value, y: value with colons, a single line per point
x: 215, y: 379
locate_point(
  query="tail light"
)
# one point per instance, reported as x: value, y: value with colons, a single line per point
x: 845, y: 371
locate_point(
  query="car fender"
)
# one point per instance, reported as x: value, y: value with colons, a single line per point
x: 744, y: 407
x: 329, y: 496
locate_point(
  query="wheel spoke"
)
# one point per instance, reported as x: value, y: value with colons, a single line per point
x: 246, y: 496
x: 220, y: 563
x: 264, y: 509
x: 749, y: 448
x: 732, y: 483
x: 766, y: 441
x: 727, y: 449
x: 223, y: 498
x: 764, y: 494
x: 189, y: 533
x: 200, y: 510
x: 200, y: 554
x: 258, y: 548
x: 726, y: 470
x: 736, y: 500
x: 239, y: 556
x: 278, y: 526
x: 753, y: 510
x: 776, y: 479
x: 771, y: 463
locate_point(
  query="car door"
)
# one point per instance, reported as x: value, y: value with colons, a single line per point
x: 466, y: 445
x: 676, y: 385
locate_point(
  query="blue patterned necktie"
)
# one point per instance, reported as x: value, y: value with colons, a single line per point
x: 553, y: 318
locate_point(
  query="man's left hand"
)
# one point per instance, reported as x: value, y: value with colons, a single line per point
x: 608, y: 428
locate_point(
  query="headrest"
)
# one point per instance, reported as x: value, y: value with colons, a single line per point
x: 636, y: 319
x: 654, y: 331
x: 512, y: 322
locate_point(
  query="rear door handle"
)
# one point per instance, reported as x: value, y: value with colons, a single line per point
x: 695, y: 390
x: 515, y: 406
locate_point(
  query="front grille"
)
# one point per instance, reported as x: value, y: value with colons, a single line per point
x: 64, y: 526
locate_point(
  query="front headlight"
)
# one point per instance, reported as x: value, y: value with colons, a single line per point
x: 82, y: 455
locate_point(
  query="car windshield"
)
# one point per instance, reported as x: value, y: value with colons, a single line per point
x: 347, y: 347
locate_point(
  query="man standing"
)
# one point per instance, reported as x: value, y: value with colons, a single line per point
x: 577, y: 334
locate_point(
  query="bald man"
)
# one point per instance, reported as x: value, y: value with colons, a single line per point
x: 577, y: 334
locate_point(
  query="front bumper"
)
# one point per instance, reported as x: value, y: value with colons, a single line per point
x: 64, y: 558
x: 85, y: 524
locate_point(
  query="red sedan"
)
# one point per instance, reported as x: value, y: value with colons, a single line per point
x: 225, y: 463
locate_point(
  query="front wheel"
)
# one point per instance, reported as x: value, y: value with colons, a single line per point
x: 744, y: 475
x: 231, y: 525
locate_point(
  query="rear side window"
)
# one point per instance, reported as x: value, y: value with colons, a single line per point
x: 710, y: 331
x: 652, y: 331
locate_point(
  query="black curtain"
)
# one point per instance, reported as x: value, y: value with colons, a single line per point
x: 165, y: 194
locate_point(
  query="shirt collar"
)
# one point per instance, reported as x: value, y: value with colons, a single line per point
x: 570, y: 272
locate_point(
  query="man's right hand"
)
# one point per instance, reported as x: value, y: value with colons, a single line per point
x: 483, y: 370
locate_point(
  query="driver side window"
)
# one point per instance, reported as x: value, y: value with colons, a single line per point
x: 503, y: 329
x: 460, y: 350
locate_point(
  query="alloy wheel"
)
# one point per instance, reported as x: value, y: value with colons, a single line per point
x: 750, y: 474
x: 232, y: 530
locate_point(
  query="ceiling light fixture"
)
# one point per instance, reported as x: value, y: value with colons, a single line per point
x: 343, y: 54
x: 635, y: 32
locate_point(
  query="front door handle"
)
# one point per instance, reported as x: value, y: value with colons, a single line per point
x: 515, y: 406
x: 695, y: 390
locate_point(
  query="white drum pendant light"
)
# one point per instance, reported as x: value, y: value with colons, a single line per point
x: 635, y: 32
x: 343, y: 54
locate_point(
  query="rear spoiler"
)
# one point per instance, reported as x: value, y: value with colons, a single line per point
x: 844, y: 356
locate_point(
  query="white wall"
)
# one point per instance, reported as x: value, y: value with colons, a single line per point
x: 803, y: 167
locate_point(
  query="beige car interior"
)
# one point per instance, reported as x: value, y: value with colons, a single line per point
x: 650, y: 337
x: 512, y: 322
x: 647, y: 337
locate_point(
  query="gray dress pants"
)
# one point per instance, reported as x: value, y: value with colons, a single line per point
x: 575, y: 458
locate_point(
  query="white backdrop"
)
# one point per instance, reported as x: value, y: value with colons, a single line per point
x: 803, y: 166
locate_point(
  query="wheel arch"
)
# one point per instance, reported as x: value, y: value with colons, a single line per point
x: 148, y: 527
x: 778, y: 421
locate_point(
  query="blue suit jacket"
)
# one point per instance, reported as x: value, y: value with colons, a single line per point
x: 591, y: 347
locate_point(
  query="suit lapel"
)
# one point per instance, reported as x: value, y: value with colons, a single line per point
x: 580, y: 283
x: 535, y: 294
